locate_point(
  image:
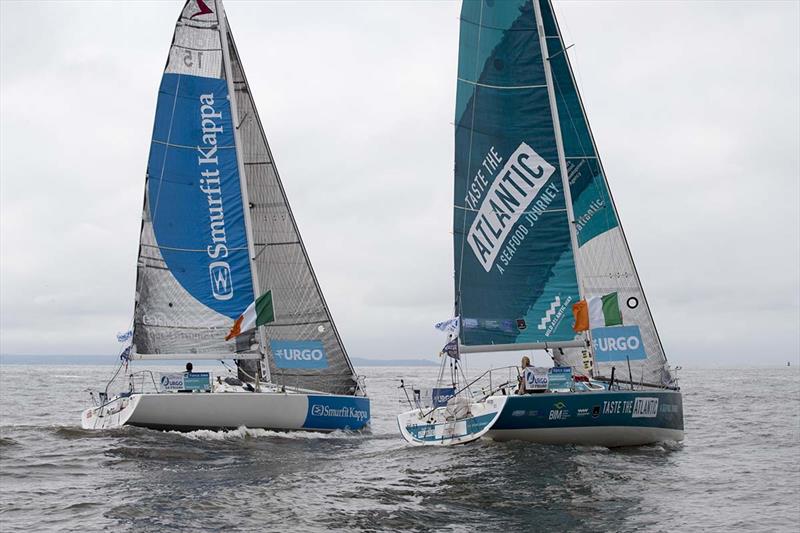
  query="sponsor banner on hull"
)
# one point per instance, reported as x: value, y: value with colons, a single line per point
x: 336, y: 412
x: 618, y: 343
x: 175, y: 381
x: 532, y: 411
x: 560, y: 378
x: 299, y: 354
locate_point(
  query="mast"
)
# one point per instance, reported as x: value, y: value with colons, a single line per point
x: 562, y: 161
x: 226, y: 55
x: 608, y: 187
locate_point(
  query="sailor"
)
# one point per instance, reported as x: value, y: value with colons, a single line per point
x: 526, y: 378
x: 189, y: 366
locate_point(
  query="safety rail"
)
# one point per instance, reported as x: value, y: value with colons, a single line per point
x: 502, y: 380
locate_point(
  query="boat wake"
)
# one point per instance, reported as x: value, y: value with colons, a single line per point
x: 245, y: 433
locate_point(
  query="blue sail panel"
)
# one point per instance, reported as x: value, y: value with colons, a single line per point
x: 194, y: 193
x: 514, y: 269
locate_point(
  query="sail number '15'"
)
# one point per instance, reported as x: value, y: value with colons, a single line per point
x: 189, y: 58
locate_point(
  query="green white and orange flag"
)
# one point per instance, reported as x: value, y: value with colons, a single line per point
x: 257, y: 314
x: 597, y: 312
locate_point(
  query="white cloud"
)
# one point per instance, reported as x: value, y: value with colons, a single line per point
x: 695, y: 108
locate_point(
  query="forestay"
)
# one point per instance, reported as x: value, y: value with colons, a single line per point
x: 605, y: 263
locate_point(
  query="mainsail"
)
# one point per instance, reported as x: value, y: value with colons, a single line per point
x: 217, y: 230
x: 514, y: 267
x: 521, y: 138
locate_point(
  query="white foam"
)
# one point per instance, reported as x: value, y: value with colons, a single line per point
x: 243, y: 432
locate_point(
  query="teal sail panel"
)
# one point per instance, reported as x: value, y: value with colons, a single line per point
x: 515, y: 277
x: 594, y: 212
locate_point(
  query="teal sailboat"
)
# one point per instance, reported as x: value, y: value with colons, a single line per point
x: 541, y: 260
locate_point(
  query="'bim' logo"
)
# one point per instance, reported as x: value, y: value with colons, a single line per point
x: 221, y: 283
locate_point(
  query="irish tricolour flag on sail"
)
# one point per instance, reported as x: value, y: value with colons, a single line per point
x: 597, y: 312
x: 257, y: 314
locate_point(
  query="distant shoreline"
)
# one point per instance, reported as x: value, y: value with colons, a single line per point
x: 113, y: 360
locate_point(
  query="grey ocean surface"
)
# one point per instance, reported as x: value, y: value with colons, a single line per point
x: 738, y: 469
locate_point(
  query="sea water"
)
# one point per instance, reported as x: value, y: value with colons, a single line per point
x: 738, y: 469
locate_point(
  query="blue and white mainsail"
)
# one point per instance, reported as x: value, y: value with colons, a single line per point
x: 515, y: 272
x: 194, y: 270
x: 217, y: 229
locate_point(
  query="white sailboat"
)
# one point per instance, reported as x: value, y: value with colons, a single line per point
x: 538, y: 241
x: 217, y: 236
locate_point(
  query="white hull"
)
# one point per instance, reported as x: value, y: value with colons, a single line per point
x: 439, y: 427
x: 608, y: 436
x: 267, y: 410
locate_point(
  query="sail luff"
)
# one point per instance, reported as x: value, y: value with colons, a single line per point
x: 559, y: 142
x: 605, y: 180
x: 226, y: 55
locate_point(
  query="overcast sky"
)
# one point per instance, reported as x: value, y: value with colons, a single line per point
x: 695, y: 108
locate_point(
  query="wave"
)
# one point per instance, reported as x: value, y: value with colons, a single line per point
x: 244, y: 433
x: 7, y: 441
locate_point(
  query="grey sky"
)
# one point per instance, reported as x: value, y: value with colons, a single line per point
x: 695, y: 108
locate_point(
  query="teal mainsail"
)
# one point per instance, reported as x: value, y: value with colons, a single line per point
x: 514, y: 267
x: 535, y: 226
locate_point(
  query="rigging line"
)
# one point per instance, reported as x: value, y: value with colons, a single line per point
x: 196, y: 49
x: 469, y: 167
x: 164, y: 161
x: 626, y: 253
x: 617, y: 261
x: 526, y: 212
x: 172, y: 248
x: 170, y: 145
x: 509, y: 87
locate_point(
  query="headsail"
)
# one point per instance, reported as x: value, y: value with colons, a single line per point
x: 604, y: 259
x: 303, y: 344
x: 515, y: 276
x: 193, y: 271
